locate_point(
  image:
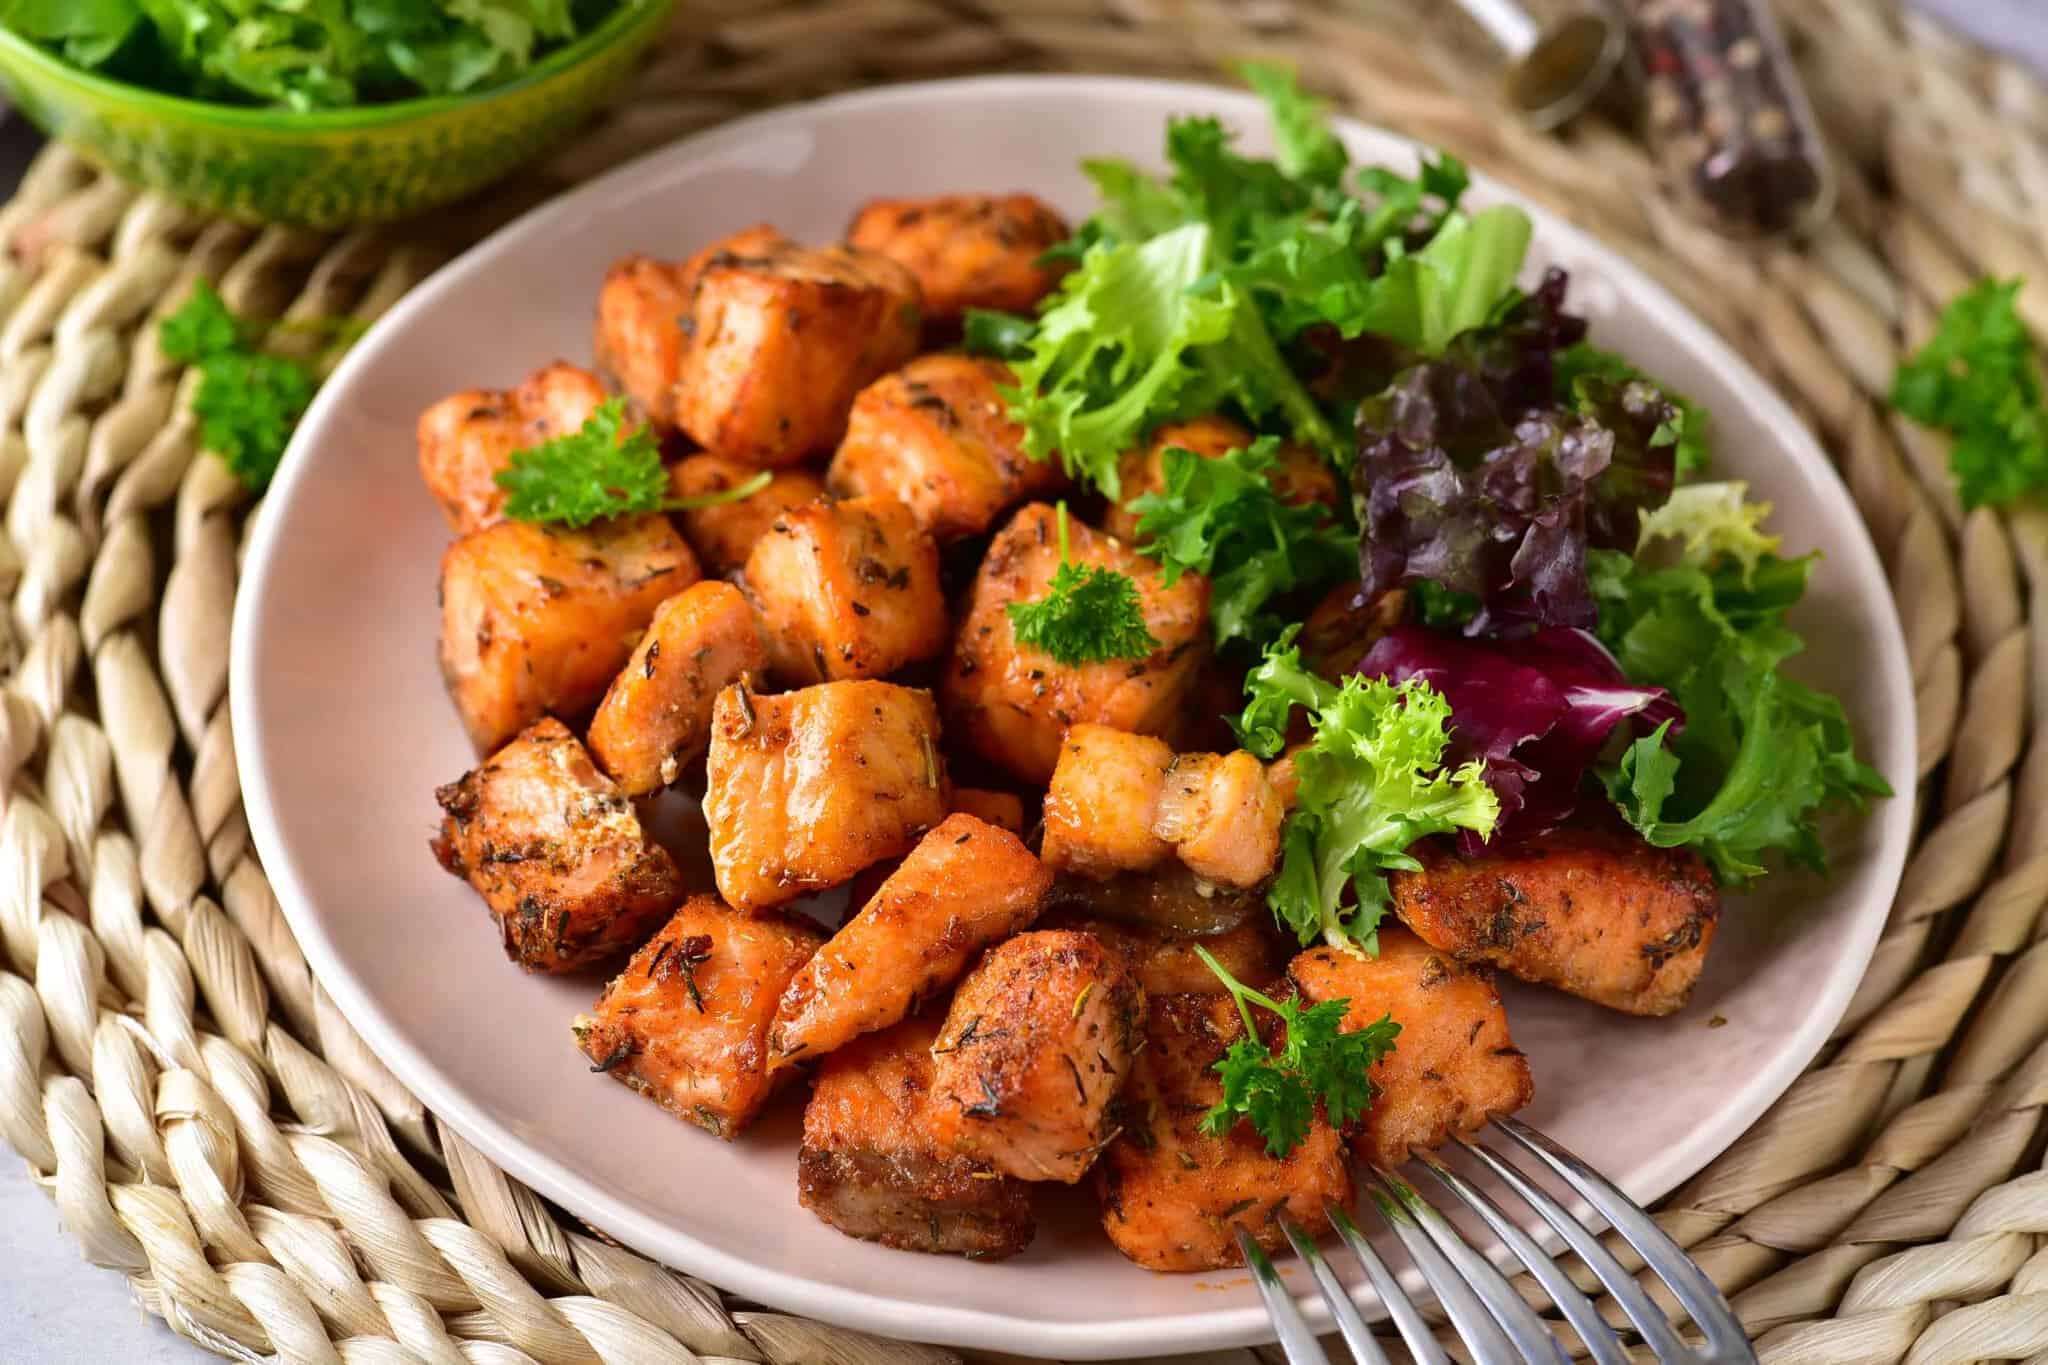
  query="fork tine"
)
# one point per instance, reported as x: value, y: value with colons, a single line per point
x: 1421, y: 1342
x: 1288, y: 1324
x: 1343, y: 1311
x: 1528, y: 1332
x: 1476, y: 1327
x: 1688, y: 1283
x: 1600, y: 1339
x: 1650, y: 1321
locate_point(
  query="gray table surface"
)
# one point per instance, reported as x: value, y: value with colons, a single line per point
x: 55, y: 1309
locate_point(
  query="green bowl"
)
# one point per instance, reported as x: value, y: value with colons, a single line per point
x: 329, y: 168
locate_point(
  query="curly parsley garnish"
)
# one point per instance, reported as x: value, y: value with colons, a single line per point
x: 600, y: 470
x: 1276, y: 1091
x: 1090, y: 614
x: 247, y: 401
x: 1978, y: 379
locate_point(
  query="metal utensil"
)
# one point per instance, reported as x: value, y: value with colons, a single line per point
x: 1554, y: 73
x: 1492, y: 1320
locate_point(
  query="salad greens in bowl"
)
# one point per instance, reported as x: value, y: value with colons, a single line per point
x: 324, y: 114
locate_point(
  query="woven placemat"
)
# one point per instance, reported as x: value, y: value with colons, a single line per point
x: 209, y: 1125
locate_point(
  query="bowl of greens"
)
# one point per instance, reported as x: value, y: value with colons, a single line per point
x: 327, y: 115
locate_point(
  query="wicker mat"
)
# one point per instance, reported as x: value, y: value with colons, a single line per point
x: 208, y: 1124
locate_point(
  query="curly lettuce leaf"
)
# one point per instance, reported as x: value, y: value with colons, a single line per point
x: 1708, y: 521
x: 1371, y: 781
x: 1128, y: 342
x: 1761, y: 756
x: 1693, y: 439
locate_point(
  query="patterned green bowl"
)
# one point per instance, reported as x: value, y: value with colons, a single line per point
x: 330, y: 168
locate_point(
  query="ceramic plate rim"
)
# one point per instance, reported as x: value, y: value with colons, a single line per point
x: 856, y: 1308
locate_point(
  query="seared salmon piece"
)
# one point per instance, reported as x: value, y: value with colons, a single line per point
x: 936, y: 435
x: 1340, y: 629
x: 1012, y: 703
x: 643, y: 320
x: 1222, y: 817
x: 1172, y: 1197
x: 725, y: 533
x: 1594, y: 911
x: 468, y: 437
x: 873, y: 1167
x: 780, y: 337
x: 965, y: 885
x: 656, y: 717
x: 1300, y: 476
x: 1100, y: 806
x: 686, y: 1024
x: 804, y: 789
x: 1453, y: 1066
x: 847, y: 590
x: 1005, y: 810
x: 1036, y: 1046
x: 1124, y: 803
x: 967, y: 250
x: 538, y: 620
x: 556, y: 851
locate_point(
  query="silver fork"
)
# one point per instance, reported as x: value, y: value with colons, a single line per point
x: 1488, y: 1315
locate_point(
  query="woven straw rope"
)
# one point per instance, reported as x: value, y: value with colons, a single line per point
x: 208, y: 1124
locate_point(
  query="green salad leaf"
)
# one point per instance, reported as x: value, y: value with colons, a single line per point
x: 1223, y: 518
x: 1276, y: 1090
x: 1709, y: 521
x: 1979, y: 380
x: 1760, y: 756
x: 1371, y: 781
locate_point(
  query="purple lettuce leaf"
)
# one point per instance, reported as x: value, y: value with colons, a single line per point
x: 1538, y: 710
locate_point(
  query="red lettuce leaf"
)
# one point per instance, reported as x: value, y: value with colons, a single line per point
x: 1538, y: 710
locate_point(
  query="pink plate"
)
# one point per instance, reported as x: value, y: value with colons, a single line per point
x: 343, y: 731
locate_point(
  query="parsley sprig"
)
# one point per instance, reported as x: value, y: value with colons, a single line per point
x: 1276, y: 1090
x: 600, y: 470
x: 248, y: 401
x: 1090, y: 613
x: 1979, y: 380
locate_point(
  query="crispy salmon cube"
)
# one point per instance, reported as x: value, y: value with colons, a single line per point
x: 1300, y: 476
x: 1453, y: 1066
x: 847, y: 590
x: 1005, y: 810
x: 780, y: 339
x: 643, y: 321
x: 1340, y: 629
x: 725, y: 533
x: 1172, y: 1197
x: 1123, y: 803
x: 1100, y: 806
x: 804, y: 789
x: 538, y: 620
x: 1012, y: 703
x: 966, y: 884
x: 1593, y: 910
x: 468, y: 437
x: 556, y: 852
x: 1036, y: 1045
x: 967, y: 250
x: 686, y: 1024
x: 936, y: 435
x: 656, y: 717
x: 1166, y: 963
x: 1222, y: 817
x: 873, y: 1167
